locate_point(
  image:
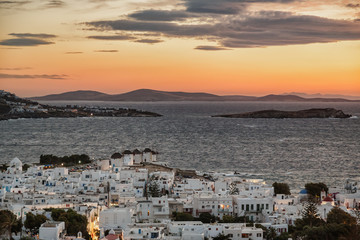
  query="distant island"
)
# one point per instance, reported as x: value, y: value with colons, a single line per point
x: 144, y: 95
x: 14, y: 107
x: 308, y: 113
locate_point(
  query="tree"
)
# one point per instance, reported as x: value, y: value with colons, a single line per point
x: 183, y: 217
x: 56, y: 212
x: 233, y: 190
x: 310, y: 214
x: 7, y: 222
x: 281, y: 188
x: 17, y: 227
x: 314, y: 189
x: 33, y: 222
x: 227, y: 219
x: 25, y: 167
x: 74, y: 222
x: 206, y: 218
x: 338, y: 216
x: 153, y: 188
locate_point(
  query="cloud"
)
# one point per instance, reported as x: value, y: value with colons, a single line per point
x: 25, y: 42
x: 154, y: 27
x: 106, y: 51
x: 55, y: 4
x: 15, y: 69
x: 149, y: 41
x: 28, y: 39
x: 112, y: 37
x: 227, y: 7
x: 32, y: 35
x: 351, y: 5
x: 253, y: 29
x: 161, y: 15
x: 73, y: 52
x: 9, y: 4
x: 214, y: 6
x: 45, y: 76
x: 210, y: 48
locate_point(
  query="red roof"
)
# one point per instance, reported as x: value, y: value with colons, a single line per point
x: 112, y: 237
x: 327, y: 199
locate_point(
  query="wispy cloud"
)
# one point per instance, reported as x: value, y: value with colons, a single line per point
x: 149, y: 41
x: 55, y: 3
x: 28, y: 39
x: 107, y: 51
x: 254, y: 29
x: 12, y: 4
x: 24, y: 42
x: 161, y: 15
x: 352, y: 5
x: 210, y: 48
x: 45, y: 76
x: 32, y: 35
x: 112, y: 37
x: 15, y: 69
x: 73, y: 52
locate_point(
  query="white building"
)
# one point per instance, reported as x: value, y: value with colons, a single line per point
x: 51, y: 230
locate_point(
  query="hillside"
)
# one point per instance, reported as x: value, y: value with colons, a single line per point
x: 75, y: 95
x: 144, y: 95
x: 14, y: 107
x: 307, y: 113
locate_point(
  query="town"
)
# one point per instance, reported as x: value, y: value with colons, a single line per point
x: 131, y: 195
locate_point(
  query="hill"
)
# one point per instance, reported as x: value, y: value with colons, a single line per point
x: 307, y: 113
x: 75, y: 95
x: 14, y: 107
x: 145, y: 95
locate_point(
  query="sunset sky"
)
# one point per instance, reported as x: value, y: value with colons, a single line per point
x: 248, y: 47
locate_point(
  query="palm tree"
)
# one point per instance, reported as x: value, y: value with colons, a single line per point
x: 7, y: 221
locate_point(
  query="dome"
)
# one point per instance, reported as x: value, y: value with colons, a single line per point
x: 127, y: 152
x: 136, y: 151
x: 328, y: 199
x: 116, y: 155
x: 303, y: 191
x: 16, y: 162
x: 147, y: 150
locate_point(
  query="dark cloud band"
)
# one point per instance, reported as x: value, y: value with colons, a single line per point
x: 45, y: 76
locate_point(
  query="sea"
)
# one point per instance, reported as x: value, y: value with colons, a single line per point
x: 295, y: 151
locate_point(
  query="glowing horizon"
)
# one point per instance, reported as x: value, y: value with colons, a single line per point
x: 222, y: 47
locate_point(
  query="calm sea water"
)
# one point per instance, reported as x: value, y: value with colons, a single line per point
x: 291, y: 150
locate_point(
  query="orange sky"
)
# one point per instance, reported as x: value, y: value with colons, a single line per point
x: 221, y: 47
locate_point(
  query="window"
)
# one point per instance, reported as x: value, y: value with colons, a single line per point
x: 242, y: 207
x: 267, y: 206
x: 252, y: 206
x: 244, y: 235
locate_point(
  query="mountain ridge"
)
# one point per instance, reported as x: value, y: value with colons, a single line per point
x: 145, y: 95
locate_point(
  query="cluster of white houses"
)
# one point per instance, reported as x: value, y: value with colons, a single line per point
x: 114, y: 195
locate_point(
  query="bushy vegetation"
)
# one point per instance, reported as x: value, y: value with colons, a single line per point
x: 33, y: 222
x: 9, y: 223
x: 74, y: 222
x: 339, y: 225
x: 281, y: 188
x: 314, y: 189
x: 66, y: 160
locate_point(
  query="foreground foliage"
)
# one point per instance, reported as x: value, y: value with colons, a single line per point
x: 66, y: 160
x: 74, y: 222
x: 339, y: 225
